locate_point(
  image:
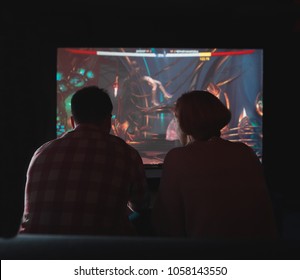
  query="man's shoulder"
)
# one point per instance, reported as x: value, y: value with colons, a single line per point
x: 52, y: 144
x: 121, y: 142
x: 123, y: 145
x: 117, y: 139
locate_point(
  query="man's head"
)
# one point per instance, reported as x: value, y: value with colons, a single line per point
x: 91, y: 105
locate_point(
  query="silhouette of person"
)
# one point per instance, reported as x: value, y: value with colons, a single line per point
x: 211, y: 187
x: 87, y: 181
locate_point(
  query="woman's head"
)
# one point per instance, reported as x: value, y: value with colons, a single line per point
x: 201, y: 114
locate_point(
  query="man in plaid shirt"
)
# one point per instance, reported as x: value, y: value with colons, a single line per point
x: 86, y: 181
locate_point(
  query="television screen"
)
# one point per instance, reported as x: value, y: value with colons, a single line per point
x: 144, y: 84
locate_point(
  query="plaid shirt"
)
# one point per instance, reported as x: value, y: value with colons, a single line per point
x: 83, y: 183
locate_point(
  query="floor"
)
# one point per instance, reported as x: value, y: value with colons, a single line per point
x: 287, y: 212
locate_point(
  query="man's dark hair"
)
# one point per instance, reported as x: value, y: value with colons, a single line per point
x: 91, y: 104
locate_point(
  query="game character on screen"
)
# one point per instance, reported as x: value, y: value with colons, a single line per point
x: 154, y: 84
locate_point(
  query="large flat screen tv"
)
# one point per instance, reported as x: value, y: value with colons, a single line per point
x: 144, y: 84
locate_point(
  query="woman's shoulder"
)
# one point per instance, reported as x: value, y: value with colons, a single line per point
x: 241, y: 146
x: 243, y: 150
x: 182, y: 154
x: 175, y: 152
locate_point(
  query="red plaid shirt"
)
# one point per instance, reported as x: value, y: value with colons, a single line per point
x: 83, y: 183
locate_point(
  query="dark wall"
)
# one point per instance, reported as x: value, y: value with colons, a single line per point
x: 29, y: 37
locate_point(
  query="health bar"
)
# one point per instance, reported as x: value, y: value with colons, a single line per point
x: 171, y: 54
